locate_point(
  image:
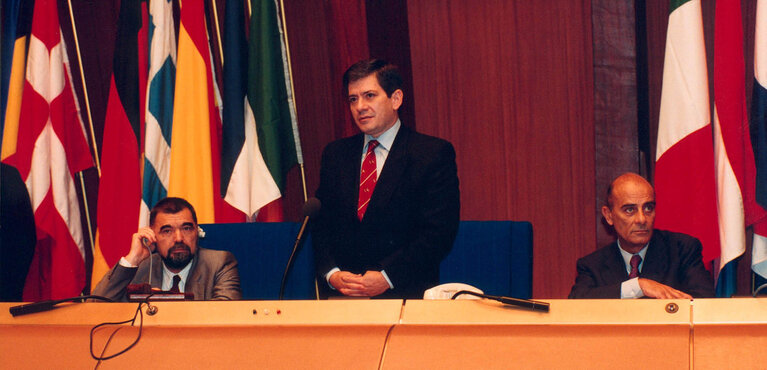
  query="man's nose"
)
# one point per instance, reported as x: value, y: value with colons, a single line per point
x: 177, y: 235
x: 359, y: 105
x: 641, y: 217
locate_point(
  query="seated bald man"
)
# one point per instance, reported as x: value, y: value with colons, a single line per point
x: 643, y: 262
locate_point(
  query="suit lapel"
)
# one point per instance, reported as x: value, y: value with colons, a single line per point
x: 350, y: 181
x: 614, y: 267
x: 392, y: 171
x: 156, y: 271
x: 655, y: 261
x: 194, y: 281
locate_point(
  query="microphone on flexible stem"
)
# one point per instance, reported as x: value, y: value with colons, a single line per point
x: 526, y: 303
x: 311, y: 208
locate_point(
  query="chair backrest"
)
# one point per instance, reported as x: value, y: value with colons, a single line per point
x: 262, y: 250
x: 494, y: 256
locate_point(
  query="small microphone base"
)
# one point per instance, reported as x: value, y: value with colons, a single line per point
x: 143, y: 292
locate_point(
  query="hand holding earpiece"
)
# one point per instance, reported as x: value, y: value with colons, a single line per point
x: 142, y: 243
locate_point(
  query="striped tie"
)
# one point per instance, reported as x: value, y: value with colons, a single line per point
x: 368, y: 179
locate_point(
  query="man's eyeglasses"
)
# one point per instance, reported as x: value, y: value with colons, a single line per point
x: 168, y: 232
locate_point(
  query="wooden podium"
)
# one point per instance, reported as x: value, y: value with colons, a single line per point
x: 385, y: 334
x: 730, y: 333
x: 205, y: 335
x: 480, y: 334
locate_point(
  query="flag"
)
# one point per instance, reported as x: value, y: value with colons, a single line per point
x: 246, y: 182
x: 17, y: 21
x: 194, y: 117
x: 159, y: 106
x: 51, y: 148
x: 735, y: 169
x: 268, y: 87
x: 758, y: 126
x: 119, y: 195
x: 685, y: 184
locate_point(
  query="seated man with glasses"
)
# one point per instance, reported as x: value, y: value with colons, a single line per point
x: 178, y: 265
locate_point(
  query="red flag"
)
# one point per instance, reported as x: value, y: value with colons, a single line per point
x: 52, y: 146
x: 120, y: 185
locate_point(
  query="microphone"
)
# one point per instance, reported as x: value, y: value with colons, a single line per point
x: 311, y: 208
x: 48, y: 305
x: 526, y: 303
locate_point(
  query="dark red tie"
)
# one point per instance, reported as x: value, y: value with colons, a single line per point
x: 635, y: 261
x: 368, y: 179
x: 176, y: 280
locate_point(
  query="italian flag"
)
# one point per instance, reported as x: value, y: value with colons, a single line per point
x: 685, y: 182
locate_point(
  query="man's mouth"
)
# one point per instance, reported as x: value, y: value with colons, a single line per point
x: 179, y: 248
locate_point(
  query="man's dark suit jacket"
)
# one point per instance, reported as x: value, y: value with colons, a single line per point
x: 411, y: 220
x: 213, y: 276
x: 17, y: 234
x: 673, y: 259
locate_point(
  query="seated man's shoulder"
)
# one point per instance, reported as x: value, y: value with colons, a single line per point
x: 675, y: 238
x: 212, y: 255
x: 599, y: 254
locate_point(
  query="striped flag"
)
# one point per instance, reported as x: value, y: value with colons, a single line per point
x: 735, y: 169
x: 159, y: 106
x: 759, y: 136
x: 268, y: 94
x: 17, y: 21
x: 685, y: 184
x: 119, y: 195
x: 246, y: 182
x: 194, y: 115
x: 52, y: 147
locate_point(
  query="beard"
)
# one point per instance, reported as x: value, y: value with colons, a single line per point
x: 178, y: 256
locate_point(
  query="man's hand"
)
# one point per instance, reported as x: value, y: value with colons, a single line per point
x: 371, y: 284
x: 654, y: 289
x: 137, y: 251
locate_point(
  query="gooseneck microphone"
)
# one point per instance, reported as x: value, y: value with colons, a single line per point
x: 526, y: 303
x: 48, y: 305
x: 311, y: 208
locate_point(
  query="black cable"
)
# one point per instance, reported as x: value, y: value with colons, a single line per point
x: 132, y: 322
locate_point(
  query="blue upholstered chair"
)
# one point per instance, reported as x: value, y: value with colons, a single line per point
x: 495, y: 256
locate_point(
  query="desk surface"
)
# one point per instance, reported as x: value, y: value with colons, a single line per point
x: 373, y: 334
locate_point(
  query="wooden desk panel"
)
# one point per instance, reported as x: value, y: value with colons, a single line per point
x: 575, y: 334
x: 305, y: 334
x: 730, y: 333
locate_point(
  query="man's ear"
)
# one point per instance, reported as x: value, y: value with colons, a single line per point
x: 608, y: 215
x: 396, y: 98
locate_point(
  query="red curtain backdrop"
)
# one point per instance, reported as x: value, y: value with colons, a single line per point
x: 515, y: 96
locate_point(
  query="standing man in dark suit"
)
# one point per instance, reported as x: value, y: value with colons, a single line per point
x: 643, y: 262
x: 179, y: 265
x: 390, y: 198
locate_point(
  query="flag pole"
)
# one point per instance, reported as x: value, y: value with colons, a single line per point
x: 218, y: 30
x: 85, y: 89
x: 90, y: 124
x: 292, y: 100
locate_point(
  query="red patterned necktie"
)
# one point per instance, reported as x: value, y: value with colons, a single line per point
x: 368, y: 179
x: 635, y: 261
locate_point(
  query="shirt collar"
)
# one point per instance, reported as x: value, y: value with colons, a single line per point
x: 386, y: 139
x: 627, y: 256
x: 167, y: 275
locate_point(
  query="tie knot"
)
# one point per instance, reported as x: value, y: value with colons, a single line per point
x: 372, y: 144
